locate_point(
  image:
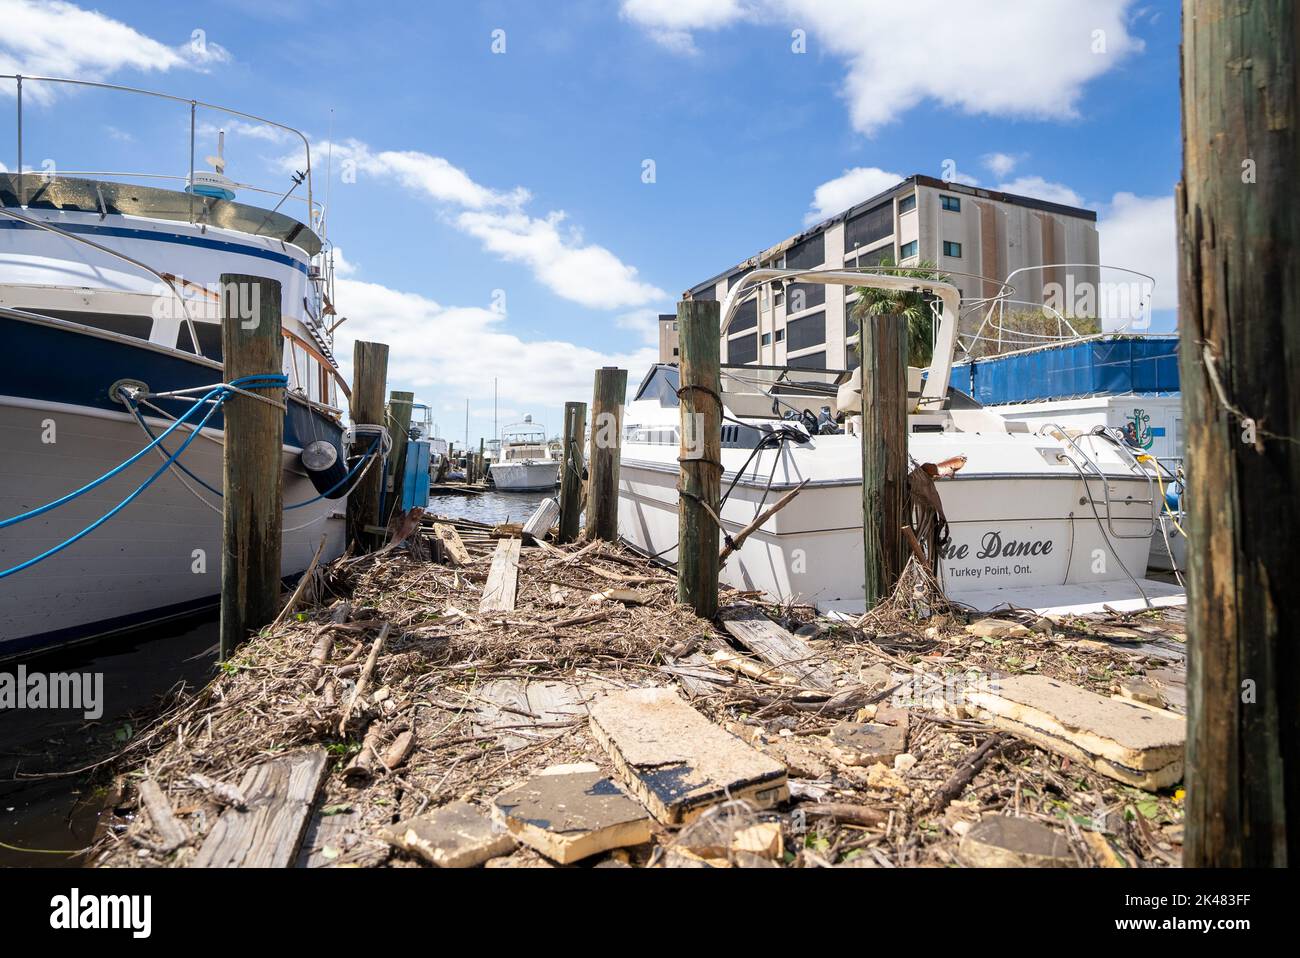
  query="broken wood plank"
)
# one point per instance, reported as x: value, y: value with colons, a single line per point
x: 279, y: 796
x: 161, y: 818
x: 1125, y: 741
x: 775, y: 645
x: 543, y: 519
x: 452, y: 543
x: 676, y: 761
x: 1000, y: 841
x: 503, y: 578
x: 569, y: 815
x: 458, y: 835
x: 503, y: 709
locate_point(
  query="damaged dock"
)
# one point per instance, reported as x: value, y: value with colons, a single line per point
x: 472, y: 696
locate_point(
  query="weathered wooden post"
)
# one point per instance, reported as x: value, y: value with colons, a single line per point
x: 884, y: 454
x: 700, y: 455
x: 1238, y: 347
x: 608, y: 393
x: 575, y: 427
x: 252, y: 467
x: 400, y: 406
x: 482, y: 462
x: 369, y: 377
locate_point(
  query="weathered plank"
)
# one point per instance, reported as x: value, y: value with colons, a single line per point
x: 1128, y: 742
x: 452, y: 543
x: 676, y: 761
x: 570, y: 815
x: 504, y: 712
x: 267, y: 834
x: 503, y: 578
x: 541, y: 521
x: 454, y: 836
x: 161, y: 817
x: 776, y: 646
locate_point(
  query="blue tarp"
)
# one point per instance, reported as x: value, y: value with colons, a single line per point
x: 1107, y: 366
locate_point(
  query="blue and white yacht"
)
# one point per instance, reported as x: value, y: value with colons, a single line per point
x: 109, y: 305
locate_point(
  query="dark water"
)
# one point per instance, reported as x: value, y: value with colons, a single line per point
x: 491, y: 507
x: 60, y: 813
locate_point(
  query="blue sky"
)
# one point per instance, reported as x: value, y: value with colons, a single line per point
x: 490, y: 204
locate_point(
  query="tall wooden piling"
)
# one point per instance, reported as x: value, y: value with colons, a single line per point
x: 1238, y: 346
x: 252, y: 470
x: 575, y: 427
x: 700, y: 456
x: 607, y: 397
x: 369, y: 377
x: 400, y: 406
x: 884, y: 454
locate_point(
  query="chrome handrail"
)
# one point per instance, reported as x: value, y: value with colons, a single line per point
x: 1134, y: 467
x: 20, y: 79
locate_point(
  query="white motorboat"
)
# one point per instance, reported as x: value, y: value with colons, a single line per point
x: 110, y: 305
x: 525, y: 463
x: 1043, y: 518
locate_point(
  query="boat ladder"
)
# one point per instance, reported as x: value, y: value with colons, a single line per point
x: 1095, y: 468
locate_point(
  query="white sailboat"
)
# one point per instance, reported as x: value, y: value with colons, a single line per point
x: 1038, y: 518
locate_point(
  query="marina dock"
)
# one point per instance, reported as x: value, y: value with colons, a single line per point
x: 408, y: 687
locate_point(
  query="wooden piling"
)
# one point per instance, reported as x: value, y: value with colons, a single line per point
x: 400, y: 406
x: 1239, y: 226
x: 575, y: 427
x: 369, y: 377
x: 252, y: 467
x: 884, y: 454
x: 608, y: 393
x: 700, y: 456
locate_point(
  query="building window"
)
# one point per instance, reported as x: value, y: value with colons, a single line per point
x: 907, y: 250
x: 869, y: 227
x: 805, y: 296
x: 742, y: 350
x: 676, y: 351
x: 952, y: 249
x: 807, y: 253
x: 767, y: 339
x: 950, y: 203
x: 746, y: 316
x: 807, y: 332
x: 907, y: 204
x: 810, y: 361
x: 780, y: 335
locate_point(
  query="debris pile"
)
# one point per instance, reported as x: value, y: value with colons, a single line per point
x: 519, y: 704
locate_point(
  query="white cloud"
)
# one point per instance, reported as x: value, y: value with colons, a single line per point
x: 1000, y: 164
x: 670, y: 22
x: 854, y: 186
x: 54, y: 38
x: 643, y: 322
x: 440, y: 351
x: 557, y: 255
x: 1140, y: 232
x: 1042, y: 189
x: 1024, y: 58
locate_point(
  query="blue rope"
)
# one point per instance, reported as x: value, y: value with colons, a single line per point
x: 221, y: 394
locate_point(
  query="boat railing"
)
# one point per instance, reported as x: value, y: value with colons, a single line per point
x: 1095, y: 467
x: 315, y: 215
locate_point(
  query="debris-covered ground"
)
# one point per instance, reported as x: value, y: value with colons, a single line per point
x: 434, y: 721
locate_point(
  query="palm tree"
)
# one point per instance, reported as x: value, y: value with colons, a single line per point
x: 912, y: 307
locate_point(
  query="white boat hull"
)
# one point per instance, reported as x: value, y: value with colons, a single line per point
x: 1008, y: 530
x: 158, y: 558
x: 525, y: 475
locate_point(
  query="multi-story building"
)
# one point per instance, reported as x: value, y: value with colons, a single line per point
x: 977, y: 237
